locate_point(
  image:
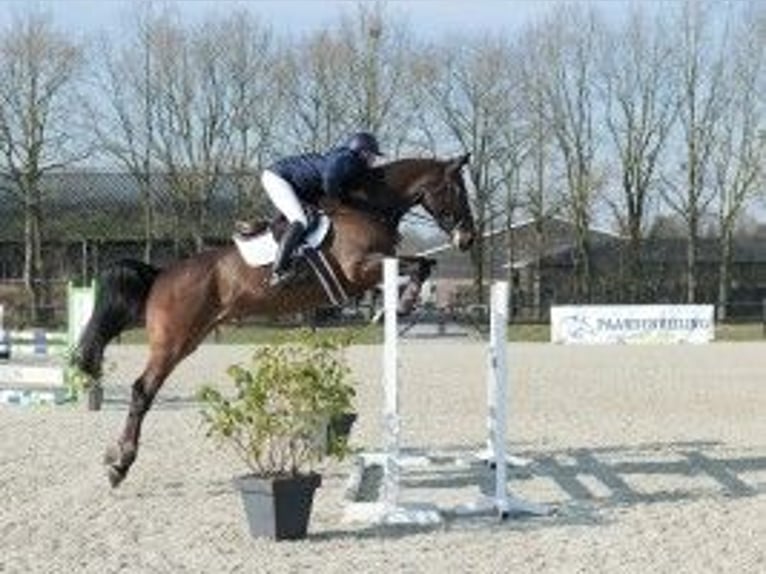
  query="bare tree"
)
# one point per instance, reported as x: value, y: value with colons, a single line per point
x: 739, y: 150
x: 193, y: 119
x: 310, y: 80
x: 700, y: 89
x: 424, y: 73
x: 209, y: 108
x: 38, y: 103
x: 572, y: 38
x: 469, y: 93
x: 515, y: 146
x: 250, y: 64
x: 541, y: 195
x: 385, y: 46
x: 640, y: 112
x: 124, y: 121
x: 348, y: 78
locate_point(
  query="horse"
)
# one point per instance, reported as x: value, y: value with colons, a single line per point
x: 180, y: 304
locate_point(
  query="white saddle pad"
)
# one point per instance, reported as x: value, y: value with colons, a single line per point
x: 261, y: 249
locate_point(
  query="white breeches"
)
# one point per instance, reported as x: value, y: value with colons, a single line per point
x: 283, y: 196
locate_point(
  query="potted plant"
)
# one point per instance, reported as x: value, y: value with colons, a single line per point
x: 277, y: 423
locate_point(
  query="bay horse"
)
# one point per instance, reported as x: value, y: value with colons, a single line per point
x: 180, y: 304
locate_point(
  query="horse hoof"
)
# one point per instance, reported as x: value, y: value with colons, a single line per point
x: 112, y: 455
x: 115, y: 475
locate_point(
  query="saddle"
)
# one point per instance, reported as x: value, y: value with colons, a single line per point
x: 257, y: 244
x: 245, y: 230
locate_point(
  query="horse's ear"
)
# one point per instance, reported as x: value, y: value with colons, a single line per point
x: 457, y: 163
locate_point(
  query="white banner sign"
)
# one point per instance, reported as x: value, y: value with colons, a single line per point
x: 604, y: 324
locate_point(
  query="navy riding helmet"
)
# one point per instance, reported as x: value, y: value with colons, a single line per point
x: 364, y: 141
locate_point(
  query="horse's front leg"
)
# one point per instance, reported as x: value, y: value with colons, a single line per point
x: 368, y: 272
x: 418, y: 270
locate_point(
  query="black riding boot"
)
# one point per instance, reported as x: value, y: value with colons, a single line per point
x: 283, y: 268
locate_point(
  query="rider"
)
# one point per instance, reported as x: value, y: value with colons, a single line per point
x: 306, y: 178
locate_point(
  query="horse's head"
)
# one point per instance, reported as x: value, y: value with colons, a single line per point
x: 394, y: 188
x: 444, y: 196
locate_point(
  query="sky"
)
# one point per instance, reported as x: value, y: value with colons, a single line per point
x: 297, y: 17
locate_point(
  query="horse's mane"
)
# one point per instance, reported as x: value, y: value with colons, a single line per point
x: 385, y: 195
x: 360, y: 210
x: 384, y: 192
x: 379, y: 198
x: 391, y: 173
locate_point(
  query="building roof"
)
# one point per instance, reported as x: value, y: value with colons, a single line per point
x: 516, y: 246
x: 106, y: 205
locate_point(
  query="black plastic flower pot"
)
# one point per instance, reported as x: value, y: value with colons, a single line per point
x: 95, y: 397
x: 279, y: 507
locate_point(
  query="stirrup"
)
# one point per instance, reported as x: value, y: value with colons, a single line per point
x: 280, y: 278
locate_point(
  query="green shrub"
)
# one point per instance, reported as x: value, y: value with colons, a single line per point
x: 284, y: 397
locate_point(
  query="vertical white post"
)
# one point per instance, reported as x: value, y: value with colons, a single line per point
x: 80, y: 301
x: 505, y: 504
x: 497, y: 391
x: 391, y: 419
x: 388, y: 509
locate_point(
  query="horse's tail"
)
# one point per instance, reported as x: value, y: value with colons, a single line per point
x: 121, y: 293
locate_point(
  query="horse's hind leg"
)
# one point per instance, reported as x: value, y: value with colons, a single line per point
x: 121, y: 456
x: 182, y: 307
x: 167, y: 350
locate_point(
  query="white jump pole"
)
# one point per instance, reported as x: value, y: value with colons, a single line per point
x: 497, y: 401
x: 391, y: 510
x: 497, y: 386
x: 391, y: 419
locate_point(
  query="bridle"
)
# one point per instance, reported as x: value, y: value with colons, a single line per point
x: 391, y: 213
x: 446, y: 221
